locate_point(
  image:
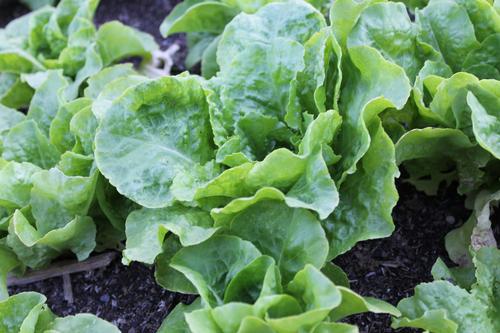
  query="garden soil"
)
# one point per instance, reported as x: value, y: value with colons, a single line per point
x: 388, y: 269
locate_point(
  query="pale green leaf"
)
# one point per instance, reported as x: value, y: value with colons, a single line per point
x: 168, y: 119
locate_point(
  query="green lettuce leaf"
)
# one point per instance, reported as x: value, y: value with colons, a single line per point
x: 197, y: 43
x: 116, y: 41
x: 56, y: 198
x: 198, y: 16
x: 372, y: 85
x: 35, y: 256
x: 14, y: 92
x: 484, y: 62
x: 443, y: 307
x: 16, y: 182
x: 28, y: 313
x: 113, y: 205
x: 387, y: 27
x: 483, y: 16
x: 211, y: 265
x: 146, y: 230
x: 74, y: 164
x: 35, y: 4
x: 276, y: 230
x: 352, y: 303
x: 461, y: 276
x: 446, y: 26
x: 367, y: 197
x: 59, y: 133
x: 148, y: 118
x: 21, y: 312
x: 8, y: 119
x: 303, y: 305
x: 315, y: 295
x: 26, y: 143
x: 258, y: 279
x: 175, y: 321
x: 81, y: 323
x: 319, y: 82
x: 432, y: 151
x: 487, y: 286
x: 8, y: 262
x: 77, y: 236
x: 209, y: 66
x: 275, y: 64
x: 18, y: 61
x: 168, y: 277
x: 305, y: 184
x: 83, y: 126
x: 97, y: 82
x: 113, y: 90
x: 449, y: 103
x: 486, y: 120
x: 93, y: 64
x: 343, y: 16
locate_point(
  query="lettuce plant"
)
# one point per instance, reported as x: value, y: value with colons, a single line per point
x: 246, y: 293
x: 441, y: 306
x: 28, y: 313
x: 53, y: 198
x: 238, y: 174
x: 241, y: 186
x: 63, y: 38
x: 449, y: 128
x: 450, y: 132
x: 204, y: 22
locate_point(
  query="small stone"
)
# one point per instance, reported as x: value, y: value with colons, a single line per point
x: 104, y: 298
x: 450, y: 219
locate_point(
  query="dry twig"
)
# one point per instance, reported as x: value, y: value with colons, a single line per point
x: 68, y: 290
x: 63, y: 268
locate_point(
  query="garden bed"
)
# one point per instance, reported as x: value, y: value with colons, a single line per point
x: 388, y: 268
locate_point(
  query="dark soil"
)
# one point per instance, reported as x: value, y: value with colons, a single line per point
x: 388, y: 269
x: 126, y: 296
x: 11, y: 11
